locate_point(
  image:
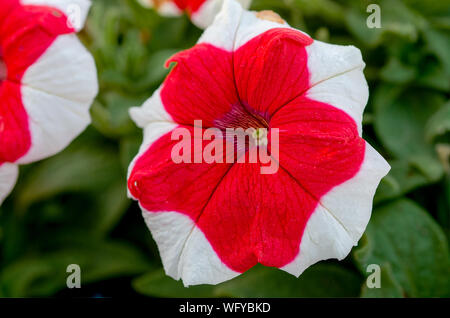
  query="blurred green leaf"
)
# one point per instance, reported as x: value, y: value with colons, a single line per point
x: 402, y: 178
x: 46, y: 274
x: 321, y: 280
x: 157, y: 284
x: 400, y: 118
x: 404, y: 236
x: 83, y: 167
x: 389, y: 287
x: 438, y: 123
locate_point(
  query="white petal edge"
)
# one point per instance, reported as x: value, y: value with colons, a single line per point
x: 151, y: 111
x: 57, y: 92
x: 185, y: 252
x: 206, y: 14
x: 222, y: 32
x: 341, y: 218
x: 75, y: 10
x: 337, y: 78
x: 8, y: 178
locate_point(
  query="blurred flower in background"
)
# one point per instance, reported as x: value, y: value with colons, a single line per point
x: 201, y: 12
x: 48, y: 81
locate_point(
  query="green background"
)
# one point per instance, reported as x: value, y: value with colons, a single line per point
x: 72, y: 208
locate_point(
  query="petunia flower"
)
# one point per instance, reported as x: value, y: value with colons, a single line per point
x: 47, y: 81
x: 201, y: 12
x: 213, y: 221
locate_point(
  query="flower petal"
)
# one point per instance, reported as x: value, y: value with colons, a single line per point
x: 151, y: 111
x: 205, y: 14
x: 200, y: 86
x: 342, y: 216
x: 337, y: 78
x: 271, y: 69
x: 318, y: 145
x: 8, y: 177
x: 254, y: 218
x: 15, y: 137
x: 184, y: 250
x: 226, y: 24
x: 162, y: 186
x: 75, y: 10
x: 58, y: 104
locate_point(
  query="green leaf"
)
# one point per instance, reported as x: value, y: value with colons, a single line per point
x: 157, y: 284
x: 439, y: 123
x: 397, y: 72
x: 389, y: 288
x: 45, y: 274
x: 321, y: 280
x: 111, y: 116
x: 439, y: 43
x: 397, y: 21
x: 112, y: 203
x: 402, y: 235
x: 400, y: 118
x: 84, y: 168
x: 402, y: 178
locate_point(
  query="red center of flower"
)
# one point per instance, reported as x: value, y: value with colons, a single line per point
x: 244, y: 119
x: 242, y: 116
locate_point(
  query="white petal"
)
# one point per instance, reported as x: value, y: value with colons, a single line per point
x: 57, y: 92
x: 233, y: 27
x: 151, y: 111
x: 8, y: 178
x: 75, y: 10
x: 184, y: 250
x: 340, y: 219
x: 337, y: 78
x: 251, y: 26
x: 205, y: 15
x: 222, y: 32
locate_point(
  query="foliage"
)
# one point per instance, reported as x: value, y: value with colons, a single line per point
x: 72, y: 208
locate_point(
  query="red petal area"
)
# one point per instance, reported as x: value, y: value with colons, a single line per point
x: 254, y: 218
x: 162, y: 185
x: 25, y: 34
x: 14, y: 136
x: 200, y: 86
x: 319, y: 144
x: 271, y: 69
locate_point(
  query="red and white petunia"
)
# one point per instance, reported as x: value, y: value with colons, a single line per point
x: 47, y: 81
x: 214, y: 221
x: 201, y: 12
